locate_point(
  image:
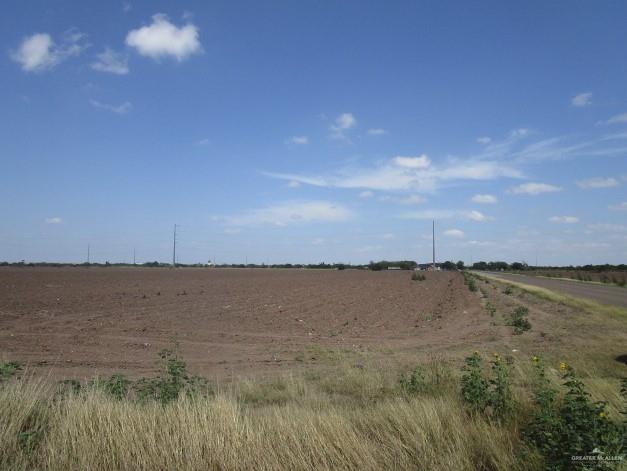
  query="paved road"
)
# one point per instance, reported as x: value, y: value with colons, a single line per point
x: 602, y: 293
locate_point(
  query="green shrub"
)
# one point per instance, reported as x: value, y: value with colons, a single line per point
x: 519, y: 322
x: 574, y: 426
x: 474, y: 385
x: 116, y: 386
x: 491, y: 308
x: 417, y: 276
x: 492, y: 397
x: 173, y: 380
x: 9, y: 369
x: 413, y: 384
x: 508, y: 290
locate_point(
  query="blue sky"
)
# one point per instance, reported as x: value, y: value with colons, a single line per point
x: 314, y: 131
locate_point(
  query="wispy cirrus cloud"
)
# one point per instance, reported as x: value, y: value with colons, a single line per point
x: 454, y: 233
x: 377, y: 132
x: 343, y: 123
x: 415, y: 174
x: 298, y: 140
x: 54, y: 220
x: 117, y: 109
x: 582, y: 99
x: 598, y: 182
x: 469, y: 215
x: 533, y: 189
x: 484, y: 199
x: 292, y: 212
x: 564, y: 219
x: 111, y: 62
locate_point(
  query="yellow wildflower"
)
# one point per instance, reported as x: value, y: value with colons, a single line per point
x: 535, y: 359
x: 563, y: 366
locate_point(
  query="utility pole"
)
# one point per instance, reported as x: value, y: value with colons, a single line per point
x: 433, y: 235
x: 174, y: 249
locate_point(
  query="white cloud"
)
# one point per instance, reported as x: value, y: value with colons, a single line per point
x: 446, y: 214
x: 617, y: 119
x: 112, y: 62
x: 377, y: 132
x: 54, y: 220
x: 620, y: 206
x: 455, y: 233
x: 298, y: 140
x: 318, y: 241
x: 343, y: 123
x: 412, y: 199
x: 388, y: 236
x: 484, y: 140
x: 203, y: 142
x: 419, y: 162
x: 126, y: 7
x: 475, y: 216
x: 520, y: 132
x: 414, y: 174
x: 484, y: 199
x: 162, y: 38
x: 604, y: 227
x: 294, y: 212
x: 582, y: 99
x: 118, y: 109
x: 39, y: 52
x: 366, y: 194
x: 534, y: 189
x: 599, y: 182
x: 232, y: 230
x: 293, y: 184
x: 564, y: 219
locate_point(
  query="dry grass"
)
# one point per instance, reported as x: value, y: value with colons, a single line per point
x: 572, y: 301
x: 289, y: 423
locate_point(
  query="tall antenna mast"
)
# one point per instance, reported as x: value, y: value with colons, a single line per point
x: 433, y: 235
x: 174, y: 249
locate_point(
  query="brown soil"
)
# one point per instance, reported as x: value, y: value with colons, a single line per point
x: 77, y: 322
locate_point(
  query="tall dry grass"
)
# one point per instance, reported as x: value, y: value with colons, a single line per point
x: 290, y: 423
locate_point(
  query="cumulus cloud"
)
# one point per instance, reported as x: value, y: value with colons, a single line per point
x: 343, y: 123
x: 475, y: 216
x: 620, y: 206
x: 564, y: 219
x: 377, y: 132
x: 419, y: 162
x: 599, y: 182
x: 39, y: 52
x: 162, y: 38
x: 582, y: 99
x: 54, y: 220
x: 298, y: 140
x: 454, y: 233
x: 534, y: 189
x: 111, y: 62
x: 293, y: 212
x: 484, y: 199
x: 484, y: 140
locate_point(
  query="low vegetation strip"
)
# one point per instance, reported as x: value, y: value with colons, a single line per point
x: 361, y: 417
x: 573, y: 301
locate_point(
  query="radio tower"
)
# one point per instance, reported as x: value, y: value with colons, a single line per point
x: 174, y: 249
x: 433, y: 235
